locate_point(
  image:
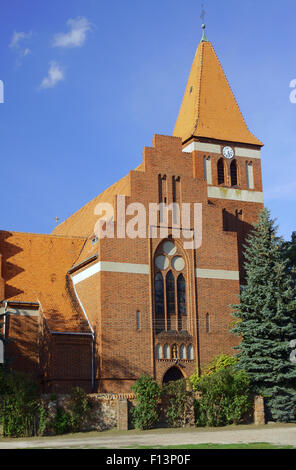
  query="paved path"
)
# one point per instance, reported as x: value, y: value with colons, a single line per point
x: 285, y: 435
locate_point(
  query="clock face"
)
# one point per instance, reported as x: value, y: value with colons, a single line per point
x: 228, y: 152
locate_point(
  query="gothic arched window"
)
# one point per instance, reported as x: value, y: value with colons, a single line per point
x: 170, y: 292
x: 233, y: 173
x: 220, y: 171
x: 182, y: 351
x: 166, y: 351
x: 181, y: 293
x: 159, y: 298
x: 170, y: 288
x: 190, y: 352
x: 159, y: 351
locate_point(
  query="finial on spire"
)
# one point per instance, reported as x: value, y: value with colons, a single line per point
x: 202, y: 15
x: 204, y: 37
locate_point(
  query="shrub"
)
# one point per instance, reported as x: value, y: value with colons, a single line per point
x: 62, y: 422
x: 78, y: 408
x: 146, y: 411
x: 18, y: 404
x: 220, y: 362
x: 225, y: 398
x: 177, y: 402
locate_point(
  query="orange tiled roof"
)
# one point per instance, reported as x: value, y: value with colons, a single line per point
x: 35, y: 267
x: 209, y: 108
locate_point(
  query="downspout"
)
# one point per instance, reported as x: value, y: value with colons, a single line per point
x: 4, y: 314
x: 93, y: 338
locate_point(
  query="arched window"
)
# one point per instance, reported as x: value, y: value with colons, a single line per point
x: 190, y: 352
x: 182, y: 351
x: 166, y: 351
x: 220, y: 171
x: 159, y: 302
x: 233, y: 173
x: 181, y: 293
x: 158, y: 351
x: 170, y: 292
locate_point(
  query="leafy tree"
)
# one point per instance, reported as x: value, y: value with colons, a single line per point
x: 177, y: 403
x: 225, y: 397
x: 219, y: 362
x: 266, y: 321
x: 147, y: 410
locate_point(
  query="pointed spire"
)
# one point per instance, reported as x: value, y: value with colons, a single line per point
x: 209, y: 108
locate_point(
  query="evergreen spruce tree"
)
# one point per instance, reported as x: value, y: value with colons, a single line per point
x: 267, y: 321
x: 289, y: 252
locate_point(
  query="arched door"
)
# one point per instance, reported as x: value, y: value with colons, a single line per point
x: 172, y: 374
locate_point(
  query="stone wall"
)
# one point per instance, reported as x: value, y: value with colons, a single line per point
x: 108, y: 411
x: 113, y: 411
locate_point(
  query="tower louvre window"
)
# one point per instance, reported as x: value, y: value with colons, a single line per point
x: 250, y: 175
x: 233, y: 173
x: 220, y: 170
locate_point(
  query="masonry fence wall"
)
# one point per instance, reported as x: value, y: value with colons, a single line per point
x: 112, y: 411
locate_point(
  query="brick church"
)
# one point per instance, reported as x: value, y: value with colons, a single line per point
x: 98, y: 312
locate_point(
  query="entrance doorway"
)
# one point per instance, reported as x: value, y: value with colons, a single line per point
x: 172, y: 374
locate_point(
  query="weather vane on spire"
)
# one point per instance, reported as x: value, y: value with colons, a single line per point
x: 202, y: 15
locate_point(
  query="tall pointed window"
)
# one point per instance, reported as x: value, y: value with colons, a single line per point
x: 181, y: 292
x: 159, y: 303
x: 170, y: 292
x: 220, y: 171
x: 233, y: 173
x: 159, y: 294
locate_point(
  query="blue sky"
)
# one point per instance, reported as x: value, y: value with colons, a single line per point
x: 87, y: 83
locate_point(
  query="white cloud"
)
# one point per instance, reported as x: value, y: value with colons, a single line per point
x: 55, y: 75
x: 16, y: 44
x: 26, y: 51
x: 77, y: 34
x: 17, y: 38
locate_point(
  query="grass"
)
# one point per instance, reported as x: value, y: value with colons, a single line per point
x: 251, y: 445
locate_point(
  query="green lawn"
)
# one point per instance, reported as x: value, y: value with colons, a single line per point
x: 251, y: 445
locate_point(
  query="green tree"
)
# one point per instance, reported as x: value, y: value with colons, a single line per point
x: 147, y: 410
x: 266, y: 321
x: 225, y: 397
x: 289, y: 253
x: 177, y: 403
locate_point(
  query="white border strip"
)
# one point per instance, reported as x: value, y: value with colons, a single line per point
x: 217, y: 274
x: 248, y: 153
x: 203, y: 147
x: 111, y: 267
x: 214, y: 148
x: 235, y: 194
